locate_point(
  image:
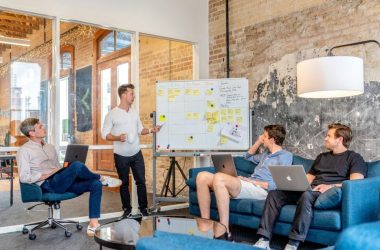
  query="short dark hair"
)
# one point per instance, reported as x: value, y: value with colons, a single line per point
x: 124, y: 88
x: 343, y: 131
x: 27, y: 125
x: 277, y: 132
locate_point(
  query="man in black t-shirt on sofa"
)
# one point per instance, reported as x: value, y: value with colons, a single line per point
x: 329, y: 170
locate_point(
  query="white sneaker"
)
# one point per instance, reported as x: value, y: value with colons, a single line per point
x: 290, y: 247
x: 110, y: 181
x: 91, y: 230
x: 261, y: 243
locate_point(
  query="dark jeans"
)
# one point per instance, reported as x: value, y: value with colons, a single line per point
x: 136, y: 163
x: 77, y: 178
x: 304, y: 212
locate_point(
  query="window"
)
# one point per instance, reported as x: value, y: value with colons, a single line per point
x: 114, y: 41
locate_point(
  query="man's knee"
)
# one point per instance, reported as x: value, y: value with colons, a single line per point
x: 307, y: 199
x: 219, y: 180
x: 77, y: 165
x: 96, y: 185
x: 204, y: 178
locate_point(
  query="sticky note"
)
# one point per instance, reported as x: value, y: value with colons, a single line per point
x: 223, y: 140
x: 211, y: 104
x: 177, y: 92
x: 224, y: 119
x: 171, y: 92
x: 209, y: 92
x: 237, y: 111
x: 196, y: 115
x: 162, y: 118
x: 161, y: 92
x: 230, y: 112
x: 196, y: 92
x: 188, y: 92
x: 189, y: 116
x: 190, y: 139
x: 171, y: 98
x: 210, y: 128
x: 208, y: 115
x: 239, y: 119
x: 224, y: 111
x: 230, y: 118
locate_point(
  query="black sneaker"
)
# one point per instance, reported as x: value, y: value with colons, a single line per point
x: 145, y: 212
x: 126, y: 214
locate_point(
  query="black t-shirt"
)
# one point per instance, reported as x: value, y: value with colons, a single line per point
x: 329, y: 168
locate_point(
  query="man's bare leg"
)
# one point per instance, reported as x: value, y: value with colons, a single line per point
x: 204, y: 184
x: 224, y: 187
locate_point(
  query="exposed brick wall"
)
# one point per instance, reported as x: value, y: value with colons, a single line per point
x: 160, y: 60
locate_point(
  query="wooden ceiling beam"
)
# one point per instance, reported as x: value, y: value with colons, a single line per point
x: 16, y: 29
x: 15, y: 34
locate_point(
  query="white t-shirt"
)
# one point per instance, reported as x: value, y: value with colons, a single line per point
x: 119, y: 121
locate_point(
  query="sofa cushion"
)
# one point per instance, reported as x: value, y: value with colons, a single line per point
x: 191, y: 182
x: 330, y: 199
x: 306, y: 163
x: 243, y: 166
x: 373, y: 169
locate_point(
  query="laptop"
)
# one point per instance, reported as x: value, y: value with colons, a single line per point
x: 224, y: 164
x: 290, y: 178
x: 74, y: 152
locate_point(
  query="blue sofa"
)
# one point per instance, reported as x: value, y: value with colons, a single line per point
x: 360, y: 203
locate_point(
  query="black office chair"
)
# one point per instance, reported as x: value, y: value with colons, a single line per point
x: 33, y: 193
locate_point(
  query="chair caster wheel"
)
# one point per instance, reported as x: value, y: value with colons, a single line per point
x: 79, y: 227
x: 32, y: 236
x: 25, y: 230
x: 53, y: 226
x: 67, y: 234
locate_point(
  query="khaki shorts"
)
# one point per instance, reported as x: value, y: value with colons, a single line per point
x: 251, y: 191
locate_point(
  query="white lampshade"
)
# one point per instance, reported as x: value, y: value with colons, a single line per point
x: 328, y: 77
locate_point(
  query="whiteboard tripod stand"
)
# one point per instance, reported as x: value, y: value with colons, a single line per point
x: 170, y: 175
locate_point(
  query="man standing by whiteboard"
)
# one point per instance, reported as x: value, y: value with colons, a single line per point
x: 123, y: 126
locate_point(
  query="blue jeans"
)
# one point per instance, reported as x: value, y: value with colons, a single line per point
x: 77, y: 178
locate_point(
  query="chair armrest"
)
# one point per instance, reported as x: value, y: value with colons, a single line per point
x: 30, y: 192
x: 193, y: 172
x: 360, y: 201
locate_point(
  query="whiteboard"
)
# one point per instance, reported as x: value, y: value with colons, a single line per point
x: 195, y: 112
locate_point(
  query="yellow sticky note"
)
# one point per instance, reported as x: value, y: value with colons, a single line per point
x: 161, y: 92
x: 189, y: 116
x: 239, y: 119
x: 210, y: 128
x: 196, y: 115
x: 162, y: 118
x: 196, y: 92
x: 190, y: 139
x: 208, y: 92
x: 230, y: 118
x: 230, y: 112
x: 171, y: 91
x: 211, y: 104
x: 208, y: 115
x: 188, y: 92
x: 224, y: 111
x: 224, y: 119
x: 171, y: 98
x: 237, y: 111
x: 177, y: 91
x: 223, y: 140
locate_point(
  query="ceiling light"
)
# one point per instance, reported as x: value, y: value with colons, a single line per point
x: 14, y: 41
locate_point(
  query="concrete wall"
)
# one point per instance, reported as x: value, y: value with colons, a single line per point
x: 268, y: 39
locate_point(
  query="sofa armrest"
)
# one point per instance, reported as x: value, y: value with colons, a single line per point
x: 360, y: 201
x: 193, y: 172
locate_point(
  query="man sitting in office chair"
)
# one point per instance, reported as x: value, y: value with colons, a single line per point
x: 255, y: 187
x: 38, y: 163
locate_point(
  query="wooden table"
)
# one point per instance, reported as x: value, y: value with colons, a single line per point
x: 12, y: 158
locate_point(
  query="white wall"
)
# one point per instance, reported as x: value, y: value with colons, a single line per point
x: 179, y: 19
